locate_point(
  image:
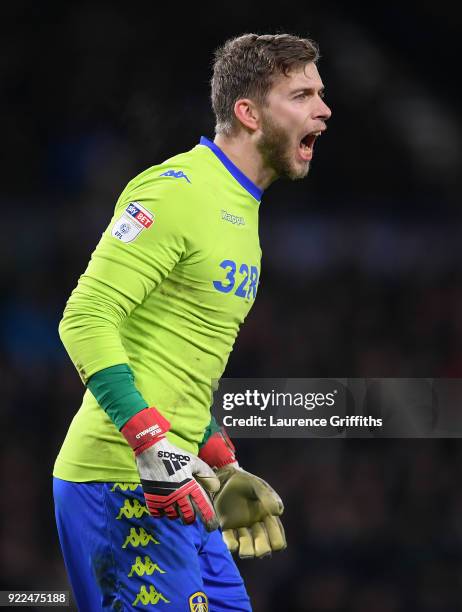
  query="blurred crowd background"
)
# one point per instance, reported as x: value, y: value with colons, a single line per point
x: 361, y: 271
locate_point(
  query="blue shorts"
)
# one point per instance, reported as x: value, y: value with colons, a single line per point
x: 118, y: 557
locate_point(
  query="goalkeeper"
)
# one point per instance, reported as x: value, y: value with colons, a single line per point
x: 151, y: 323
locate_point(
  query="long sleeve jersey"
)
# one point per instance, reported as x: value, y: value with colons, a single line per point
x: 166, y: 290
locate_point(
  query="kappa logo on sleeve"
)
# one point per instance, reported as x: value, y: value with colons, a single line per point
x: 133, y: 221
x: 177, y: 174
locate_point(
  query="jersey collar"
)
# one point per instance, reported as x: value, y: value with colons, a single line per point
x: 240, y: 177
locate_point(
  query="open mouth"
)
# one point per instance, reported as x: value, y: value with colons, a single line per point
x: 307, y: 145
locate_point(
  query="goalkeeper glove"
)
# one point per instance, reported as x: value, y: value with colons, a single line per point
x: 167, y: 472
x: 247, y: 507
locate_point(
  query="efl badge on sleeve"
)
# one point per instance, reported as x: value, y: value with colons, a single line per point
x: 198, y: 602
x: 133, y: 221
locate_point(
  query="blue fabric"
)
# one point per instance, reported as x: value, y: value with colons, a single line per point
x: 118, y: 557
x: 240, y: 177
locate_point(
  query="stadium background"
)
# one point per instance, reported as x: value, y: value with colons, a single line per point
x: 361, y: 271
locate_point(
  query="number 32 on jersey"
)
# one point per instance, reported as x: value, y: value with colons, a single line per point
x: 241, y: 279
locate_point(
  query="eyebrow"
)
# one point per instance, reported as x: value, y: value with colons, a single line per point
x: 321, y: 90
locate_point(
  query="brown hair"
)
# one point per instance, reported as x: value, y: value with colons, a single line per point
x: 245, y: 67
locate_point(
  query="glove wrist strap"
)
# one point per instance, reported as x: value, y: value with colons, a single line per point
x: 144, y: 429
x: 218, y: 451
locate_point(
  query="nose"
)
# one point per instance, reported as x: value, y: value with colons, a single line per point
x: 324, y: 111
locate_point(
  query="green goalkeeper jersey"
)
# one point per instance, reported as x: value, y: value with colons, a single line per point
x: 166, y: 290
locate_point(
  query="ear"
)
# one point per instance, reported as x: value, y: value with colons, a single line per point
x: 247, y: 113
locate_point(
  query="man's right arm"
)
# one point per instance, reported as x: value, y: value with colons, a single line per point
x: 121, y: 274
x: 119, y: 277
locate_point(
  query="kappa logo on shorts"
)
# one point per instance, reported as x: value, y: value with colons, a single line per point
x: 133, y: 221
x: 149, y: 597
x: 132, y: 508
x: 198, y: 602
x: 140, y: 568
x: 142, y: 538
x: 125, y: 486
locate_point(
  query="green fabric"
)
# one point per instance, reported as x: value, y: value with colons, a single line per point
x: 114, y: 390
x: 212, y: 428
x: 168, y: 302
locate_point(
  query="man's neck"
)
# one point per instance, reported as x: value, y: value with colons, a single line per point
x: 242, y: 151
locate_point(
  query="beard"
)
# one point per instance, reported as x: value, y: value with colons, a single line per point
x: 277, y: 151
